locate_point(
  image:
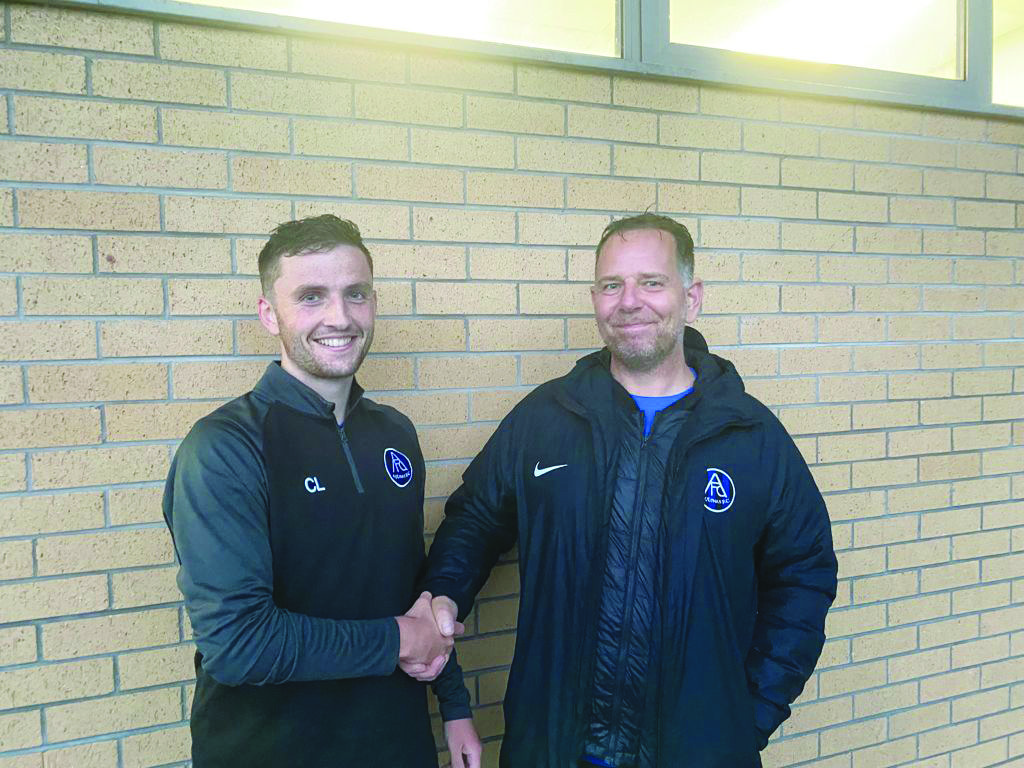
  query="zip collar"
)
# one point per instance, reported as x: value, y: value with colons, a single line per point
x: 277, y: 385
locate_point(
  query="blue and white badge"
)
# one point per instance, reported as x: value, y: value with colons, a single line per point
x: 719, y: 493
x: 398, y: 467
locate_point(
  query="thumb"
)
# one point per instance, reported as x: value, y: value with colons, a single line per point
x: 444, y: 615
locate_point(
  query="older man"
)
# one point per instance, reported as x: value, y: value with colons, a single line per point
x: 675, y: 555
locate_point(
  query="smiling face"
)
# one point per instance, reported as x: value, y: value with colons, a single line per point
x: 641, y: 303
x: 322, y: 308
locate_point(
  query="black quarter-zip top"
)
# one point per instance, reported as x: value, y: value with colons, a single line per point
x: 299, y: 544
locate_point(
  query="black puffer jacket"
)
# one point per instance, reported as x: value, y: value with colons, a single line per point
x: 743, y: 574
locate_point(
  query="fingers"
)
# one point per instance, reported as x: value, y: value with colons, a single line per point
x: 444, y: 614
x: 434, y: 668
x: 463, y: 743
x: 472, y: 752
x: 412, y: 669
x: 425, y: 672
x: 421, y: 607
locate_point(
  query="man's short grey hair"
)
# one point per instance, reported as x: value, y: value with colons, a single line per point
x: 683, y: 240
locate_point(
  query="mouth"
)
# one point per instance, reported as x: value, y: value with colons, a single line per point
x: 336, y: 342
x: 632, y: 326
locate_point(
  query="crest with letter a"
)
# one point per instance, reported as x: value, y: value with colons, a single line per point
x: 398, y: 467
x: 720, y: 492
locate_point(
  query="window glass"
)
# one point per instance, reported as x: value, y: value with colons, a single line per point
x: 919, y: 37
x: 1008, y: 52
x: 580, y: 26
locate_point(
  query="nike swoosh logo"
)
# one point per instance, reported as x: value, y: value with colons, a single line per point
x: 537, y: 471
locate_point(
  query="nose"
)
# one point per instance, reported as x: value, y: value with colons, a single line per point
x: 337, y: 313
x: 630, y: 296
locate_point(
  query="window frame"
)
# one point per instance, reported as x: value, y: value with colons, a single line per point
x: 646, y: 50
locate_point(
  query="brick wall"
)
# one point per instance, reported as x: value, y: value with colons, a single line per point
x: 865, y: 269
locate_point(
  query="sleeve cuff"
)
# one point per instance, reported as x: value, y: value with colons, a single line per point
x: 451, y: 712
x: 392, y: 643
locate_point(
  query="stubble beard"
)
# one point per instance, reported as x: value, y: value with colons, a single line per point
x: 644, y: 353
x: 304, y: 358
x: 639, y: 356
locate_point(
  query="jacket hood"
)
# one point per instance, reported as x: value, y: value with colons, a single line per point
x: 590, y: 387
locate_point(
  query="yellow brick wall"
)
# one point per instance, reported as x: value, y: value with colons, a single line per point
x: 865, y: 271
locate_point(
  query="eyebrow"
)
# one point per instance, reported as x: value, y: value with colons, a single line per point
x: 307, y: 287
x: 642, y: 276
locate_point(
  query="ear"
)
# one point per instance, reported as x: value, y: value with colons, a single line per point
x: 267, y: 315
x: 694, y: 299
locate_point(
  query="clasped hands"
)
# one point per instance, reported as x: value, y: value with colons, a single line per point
x: 427, y: 635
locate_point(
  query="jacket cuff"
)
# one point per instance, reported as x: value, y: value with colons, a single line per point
x: 390, y: 645
x: 767, y: 719
x: 451, y: 711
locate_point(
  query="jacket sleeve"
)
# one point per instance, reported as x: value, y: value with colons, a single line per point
x: 215, y: 503
x: 796, y: 572
x: 450, y: 690
x: 449, y: 687
x: 479, y: 523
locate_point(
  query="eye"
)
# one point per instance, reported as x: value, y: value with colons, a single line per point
x: 358, y: 295
x: 653, y: 284
x: 610, y: 288
x: 309, y: 298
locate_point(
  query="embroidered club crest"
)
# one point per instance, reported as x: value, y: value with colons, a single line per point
x: 720, y: 492
x: 398, y: 467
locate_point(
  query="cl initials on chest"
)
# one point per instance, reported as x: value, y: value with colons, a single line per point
x: 313, y: 485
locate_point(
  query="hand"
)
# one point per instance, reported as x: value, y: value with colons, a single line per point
x: 423, y: 651
x: 463, y: 743
x: 445, y: 611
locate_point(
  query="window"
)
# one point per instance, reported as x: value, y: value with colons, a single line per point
x: 917, y: 37
x: 579, y: 26
x: 964, y: 55
x: 1008, y: 52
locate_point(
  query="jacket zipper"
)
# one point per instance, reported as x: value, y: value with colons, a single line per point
x: 627, y: 620
x: 351, y: 461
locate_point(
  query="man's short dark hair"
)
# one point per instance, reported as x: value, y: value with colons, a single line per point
x: 315, y: 234
x: 684, y: 242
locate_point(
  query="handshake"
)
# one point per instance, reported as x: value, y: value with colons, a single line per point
x: 427, y: 634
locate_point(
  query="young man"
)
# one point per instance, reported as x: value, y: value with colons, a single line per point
x: 675, y: 555
x: 297, y: 516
